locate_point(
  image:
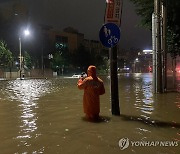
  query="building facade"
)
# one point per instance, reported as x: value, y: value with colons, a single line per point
x: 68, y: 38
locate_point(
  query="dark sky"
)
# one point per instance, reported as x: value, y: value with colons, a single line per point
x: 88, y: 16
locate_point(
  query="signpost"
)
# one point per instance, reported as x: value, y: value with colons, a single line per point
x: 109, y: 36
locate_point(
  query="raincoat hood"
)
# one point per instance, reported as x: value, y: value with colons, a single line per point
x: 92, y: 71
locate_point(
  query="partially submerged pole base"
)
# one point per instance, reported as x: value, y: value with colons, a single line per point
x: 114, y: 81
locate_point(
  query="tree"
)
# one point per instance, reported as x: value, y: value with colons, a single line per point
x: 145, y: 8
x: 27, y: 60
x: 100, y: 59
x: 81, y: 58
x: 6, y: 57
x: 58, y: 61
x: 173, y: 39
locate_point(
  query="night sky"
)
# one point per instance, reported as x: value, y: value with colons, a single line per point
x: 88, y: 16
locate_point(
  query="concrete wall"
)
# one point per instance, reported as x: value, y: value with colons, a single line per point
x: 34, y: 73
x: 9, y: 75
x: 1, y: 73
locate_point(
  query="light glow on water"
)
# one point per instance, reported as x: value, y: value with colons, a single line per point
x: 27, y: 92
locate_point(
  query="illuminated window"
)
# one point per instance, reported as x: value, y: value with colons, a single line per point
x: 61, y: 43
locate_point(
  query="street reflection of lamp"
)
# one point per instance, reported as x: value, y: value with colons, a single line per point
x: 26, y: 33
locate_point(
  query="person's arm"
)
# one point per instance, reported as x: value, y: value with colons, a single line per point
x: 81, y: 83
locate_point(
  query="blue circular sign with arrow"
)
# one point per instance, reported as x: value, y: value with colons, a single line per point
x: 109, y: 35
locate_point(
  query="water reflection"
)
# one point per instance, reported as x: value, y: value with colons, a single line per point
x: 27, y: 92
x: 150, y: 122
x: 144, y: 93
x: 99, y: 120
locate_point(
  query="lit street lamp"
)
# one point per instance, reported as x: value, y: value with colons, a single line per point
x: 26, y: 33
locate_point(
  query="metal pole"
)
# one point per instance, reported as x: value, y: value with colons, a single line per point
x: 158, y: 46
x: 164, y: 47
x: 42, y: 59
x: 154, y: 53
x: 20, y: 59
x: 114, y: 81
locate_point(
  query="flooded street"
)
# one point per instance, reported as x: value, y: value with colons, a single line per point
x: 46, y: 116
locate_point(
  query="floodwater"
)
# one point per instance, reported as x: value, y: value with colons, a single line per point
x: 46, y: 116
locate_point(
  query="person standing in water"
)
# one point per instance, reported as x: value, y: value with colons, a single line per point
x: 93, y: 87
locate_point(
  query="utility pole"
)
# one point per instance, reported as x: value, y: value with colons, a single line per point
x: 42, y: 56
x: 44, y: 34
x: 164, y: 44
x: 20, y: 59
x: 154, y: 52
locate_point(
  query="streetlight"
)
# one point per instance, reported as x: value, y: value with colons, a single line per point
x: 26, y: 33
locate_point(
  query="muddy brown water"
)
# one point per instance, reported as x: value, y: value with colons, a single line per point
x: 46, y: 116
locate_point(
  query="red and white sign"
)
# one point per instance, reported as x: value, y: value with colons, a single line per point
x: 113, y: 11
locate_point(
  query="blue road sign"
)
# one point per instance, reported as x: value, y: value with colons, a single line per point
x: 109, y: 35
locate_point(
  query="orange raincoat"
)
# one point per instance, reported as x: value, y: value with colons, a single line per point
x: 93, y: 87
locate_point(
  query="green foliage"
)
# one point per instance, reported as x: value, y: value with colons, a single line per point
x: 173, y: 39
x: 145, y: 8
x: 82, y: 58
x: 6, y: 57
x: 60, y: 59
x: 79, y: 59
x: 27, y: 60
x: 99, y: 59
